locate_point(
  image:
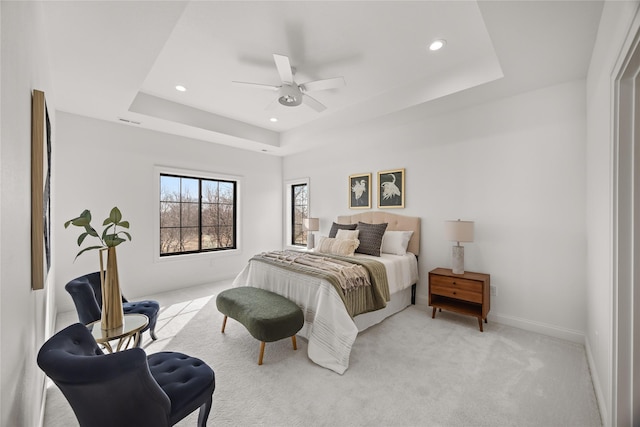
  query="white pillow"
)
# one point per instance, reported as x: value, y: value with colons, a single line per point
x: 347, y: 234
x: 329, y: 245
x: 395, y: 242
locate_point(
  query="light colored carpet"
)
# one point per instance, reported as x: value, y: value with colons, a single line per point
x: 410, y: 370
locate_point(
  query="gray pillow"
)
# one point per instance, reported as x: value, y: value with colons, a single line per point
x: 370, y: 238
x: 335, y: 227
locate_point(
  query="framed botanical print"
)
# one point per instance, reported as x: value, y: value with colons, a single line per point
x: 391, y: 189
x: 360, y: 191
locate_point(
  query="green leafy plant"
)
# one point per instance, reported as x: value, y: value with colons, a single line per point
x: 110, y: 236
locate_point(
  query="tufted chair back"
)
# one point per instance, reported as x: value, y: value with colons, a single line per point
x: 103, y: 389
x: 126, y: 388
x: 86, y: 292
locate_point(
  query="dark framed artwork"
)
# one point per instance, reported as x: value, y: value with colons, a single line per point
x: 360, y: 191
x: 40, y: 191
x: 391, y: 188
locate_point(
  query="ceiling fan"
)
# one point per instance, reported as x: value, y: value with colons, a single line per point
x: 292, y: 94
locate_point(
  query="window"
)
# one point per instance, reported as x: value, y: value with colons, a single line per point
x: 197, y: 214
x: 299, y: 211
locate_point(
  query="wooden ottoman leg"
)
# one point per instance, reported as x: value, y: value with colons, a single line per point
x: 261, y: 352
x: 295, y: 345
x: 224, y: 323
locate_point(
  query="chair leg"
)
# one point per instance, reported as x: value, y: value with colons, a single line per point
x: 224, y: 323
x: 261, y: 352
x: 204, y: 412
x: 295, y: 345
x: 152, y: 332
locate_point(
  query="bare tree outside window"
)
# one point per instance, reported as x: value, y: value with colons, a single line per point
x: 196, y: 215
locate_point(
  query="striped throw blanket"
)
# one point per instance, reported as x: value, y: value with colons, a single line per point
x: 361, y: 283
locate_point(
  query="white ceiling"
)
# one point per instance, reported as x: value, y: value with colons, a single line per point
x: 121, y: 60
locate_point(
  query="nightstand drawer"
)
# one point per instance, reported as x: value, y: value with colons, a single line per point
x: 457, y: 283
x: 458, y: 293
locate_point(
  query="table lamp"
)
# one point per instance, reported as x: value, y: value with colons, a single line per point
x: 311, y: 224
x: 458, y: 231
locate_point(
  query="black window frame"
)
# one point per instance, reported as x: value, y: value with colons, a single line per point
x: 200, y: 226
x: 296, y: 226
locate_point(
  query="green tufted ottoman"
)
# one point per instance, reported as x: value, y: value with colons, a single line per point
x: 267, y: 316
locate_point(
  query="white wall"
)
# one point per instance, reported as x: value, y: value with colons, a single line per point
x: 515, y: 166
x: 101, y: 164
x: 26, y: 316
x: 614, y: 26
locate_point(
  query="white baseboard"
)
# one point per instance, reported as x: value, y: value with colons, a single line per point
x: 597, y: 387
x: 539, y: 327
x: 422, y: 301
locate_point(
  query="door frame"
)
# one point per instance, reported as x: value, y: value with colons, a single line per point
x: 626, y: 235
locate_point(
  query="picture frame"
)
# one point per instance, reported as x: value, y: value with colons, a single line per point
x: 40, y: 190
x: 391, y: 185
x: 360, y: 191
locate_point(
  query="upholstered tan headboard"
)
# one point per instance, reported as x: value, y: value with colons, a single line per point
x: 396, y: 223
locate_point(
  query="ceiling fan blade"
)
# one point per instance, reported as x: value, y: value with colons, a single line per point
x: 332, y: 83
x: 313, y: 103
x: 257, y: 85
x: 284, y: 68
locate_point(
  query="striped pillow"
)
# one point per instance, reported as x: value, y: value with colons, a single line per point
x: 370, y: 238
x: 345, y: 247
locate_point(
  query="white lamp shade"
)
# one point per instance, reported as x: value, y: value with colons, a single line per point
x: 311, y: 224
x: 458, y: 231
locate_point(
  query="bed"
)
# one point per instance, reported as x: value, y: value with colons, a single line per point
x: 329, y: 327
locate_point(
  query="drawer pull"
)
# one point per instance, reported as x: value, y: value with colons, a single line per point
x: 454, y: 292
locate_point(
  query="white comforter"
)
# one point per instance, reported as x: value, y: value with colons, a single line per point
x: 329, y: 329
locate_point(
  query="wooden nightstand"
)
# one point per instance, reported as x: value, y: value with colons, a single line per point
x: 466, y: 293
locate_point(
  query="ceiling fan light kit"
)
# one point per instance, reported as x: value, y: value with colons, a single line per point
x: 290, y: 93
x: 290, y: 96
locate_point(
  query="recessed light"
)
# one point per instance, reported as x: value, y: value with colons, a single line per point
x: 437, y: 44
x: 273, y: 119
x: 181, y: 88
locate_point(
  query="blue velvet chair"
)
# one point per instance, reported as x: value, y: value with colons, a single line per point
x: 86, y: 292
x: 126, y: 388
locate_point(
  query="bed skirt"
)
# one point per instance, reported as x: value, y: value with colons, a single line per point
x: 399, y: 301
